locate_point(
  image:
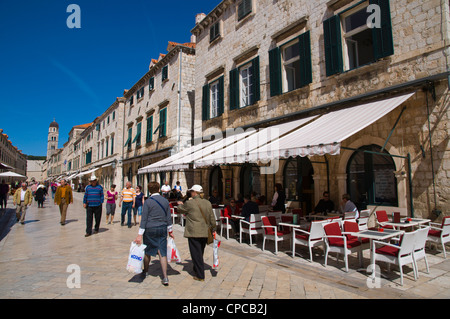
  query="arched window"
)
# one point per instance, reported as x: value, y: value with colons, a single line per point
x: 298, y: 181
x: 250, y: 180
x: 215, y: 181
x: 371, y: 179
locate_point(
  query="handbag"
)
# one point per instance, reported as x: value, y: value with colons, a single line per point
x: 210, y: 239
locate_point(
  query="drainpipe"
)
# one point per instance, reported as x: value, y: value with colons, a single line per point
x: 445, y: 29
x: 180, y: 57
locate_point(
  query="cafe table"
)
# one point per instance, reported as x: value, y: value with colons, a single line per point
x: 419, y: 221
x: 400, y: 225
x: 321, y: 216
x: 379, y: 235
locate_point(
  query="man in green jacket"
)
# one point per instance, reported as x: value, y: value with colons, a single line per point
x: 197, y: 210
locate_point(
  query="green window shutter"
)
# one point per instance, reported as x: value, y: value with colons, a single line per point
x: 149, y: 135
x: 205, y: 103
x: 305, y: 59
x: 162, y: 122
x: 275, y: 71
x: 333, y: 45
x: 221, y: 96
x: 383, y: 43
x: 256, y: 86
x: 244, y: 8
x: 128, y: 142
x: 137, y: 138
x: 234, y: 89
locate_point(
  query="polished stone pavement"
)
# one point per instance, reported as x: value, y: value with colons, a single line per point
x: 41, y: 259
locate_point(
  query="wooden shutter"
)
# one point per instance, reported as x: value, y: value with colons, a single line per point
x: 162, y: 122
x: 333, y: 45
x: 205, y: 103
x: 305, y: 59
x: 275, y: 71
x: 234, y: 89
x: 149, y: 135
x: 383, y: 44
x: 256, y: 81
x: 244, y: 8
x: 221, y: 96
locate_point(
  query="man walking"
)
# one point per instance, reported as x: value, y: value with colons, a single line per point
x: 92, y: 201
x: 199, y: 217
x: 128, y: 198
x: 22, y: 198
x: 63, y: 197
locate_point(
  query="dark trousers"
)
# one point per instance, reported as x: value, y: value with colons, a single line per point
x: 126, y: 209
x: 93, y: 212
x: 196, y: 248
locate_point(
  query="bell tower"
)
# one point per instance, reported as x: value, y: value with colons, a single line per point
x: 52, y: 141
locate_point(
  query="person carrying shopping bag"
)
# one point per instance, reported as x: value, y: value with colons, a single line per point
x: 156, y: 224
x: 200, y: 220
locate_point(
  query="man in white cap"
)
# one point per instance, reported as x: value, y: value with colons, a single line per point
x: 197, y: 210
x: 92, y: 201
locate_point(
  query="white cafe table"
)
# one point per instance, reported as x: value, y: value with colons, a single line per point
x: 376, y: 235
x: 320, y: 216
x: 399, y: 225
x: 237, y: 216
x: 419, y: 221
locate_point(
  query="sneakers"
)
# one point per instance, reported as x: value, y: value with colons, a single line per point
x: 198, y: 279
x: 165, y: 281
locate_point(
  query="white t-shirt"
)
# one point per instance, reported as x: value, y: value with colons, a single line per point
x: 165, y: 188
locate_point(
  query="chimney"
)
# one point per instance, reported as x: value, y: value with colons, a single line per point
x: 199, y: 17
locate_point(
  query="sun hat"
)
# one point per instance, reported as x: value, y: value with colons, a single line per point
x: 196, y: 188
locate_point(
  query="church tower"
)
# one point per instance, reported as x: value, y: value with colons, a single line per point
x: 52, y: 141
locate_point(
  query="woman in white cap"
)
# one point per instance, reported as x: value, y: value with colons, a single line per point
x: 199, y: 217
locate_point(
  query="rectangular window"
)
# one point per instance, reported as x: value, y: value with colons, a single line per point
x: 140, y: 93
x: 151, y: 84
x: 213, y: 99
x: 112, y: 145
x: 351, y: 43
x: 137, y: 138
x: 245, y: 85
x: 128, y: 142
x: 290, y: 65
x: 114, y: 115
x: 214, y: 89
x: 162, y: 122
x: 132, y: 100
x: 149, y: 135
x: 165, y: 73
x: 214, y: 32
x: 244, y: 9
x: 106, y: 148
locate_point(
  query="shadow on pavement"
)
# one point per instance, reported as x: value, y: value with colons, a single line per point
x: 7, y: 220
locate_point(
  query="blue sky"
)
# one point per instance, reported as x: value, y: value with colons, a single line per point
x: 48, y: 70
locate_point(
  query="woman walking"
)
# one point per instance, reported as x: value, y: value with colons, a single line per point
x: 199, y: 217
x: 139, y: 203
x: 156, y: 223
x: 111, y: 197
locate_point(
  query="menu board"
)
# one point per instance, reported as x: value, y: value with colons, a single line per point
x: 384, y: 184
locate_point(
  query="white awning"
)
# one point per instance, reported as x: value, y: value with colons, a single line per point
x: 231, y: 136
x: 325, y: 134
x: 86, y: 172
x: 166, y: 164
x: 238, y: 152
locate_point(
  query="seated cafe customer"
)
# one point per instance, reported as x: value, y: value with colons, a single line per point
x: 249, y: 208
x: 232, y: 209
x: 325, y: 204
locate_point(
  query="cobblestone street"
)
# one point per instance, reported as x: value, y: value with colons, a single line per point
x: 34, y: 260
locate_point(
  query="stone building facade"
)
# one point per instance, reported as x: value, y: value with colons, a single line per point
x: 275, y: 61
x: 158, y: 115
x: 12, y: 156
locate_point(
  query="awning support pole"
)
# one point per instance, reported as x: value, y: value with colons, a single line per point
x: 393, y: 128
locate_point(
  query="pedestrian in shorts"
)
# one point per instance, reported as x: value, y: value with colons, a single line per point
x: 111, y: 196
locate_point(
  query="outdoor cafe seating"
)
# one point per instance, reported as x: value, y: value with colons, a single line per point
x: 271, y: 232
x: 440, y: 234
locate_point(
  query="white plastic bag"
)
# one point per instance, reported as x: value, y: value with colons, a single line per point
x: 136, y: 258
x: 173, y: 255
x: 216, y: 246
